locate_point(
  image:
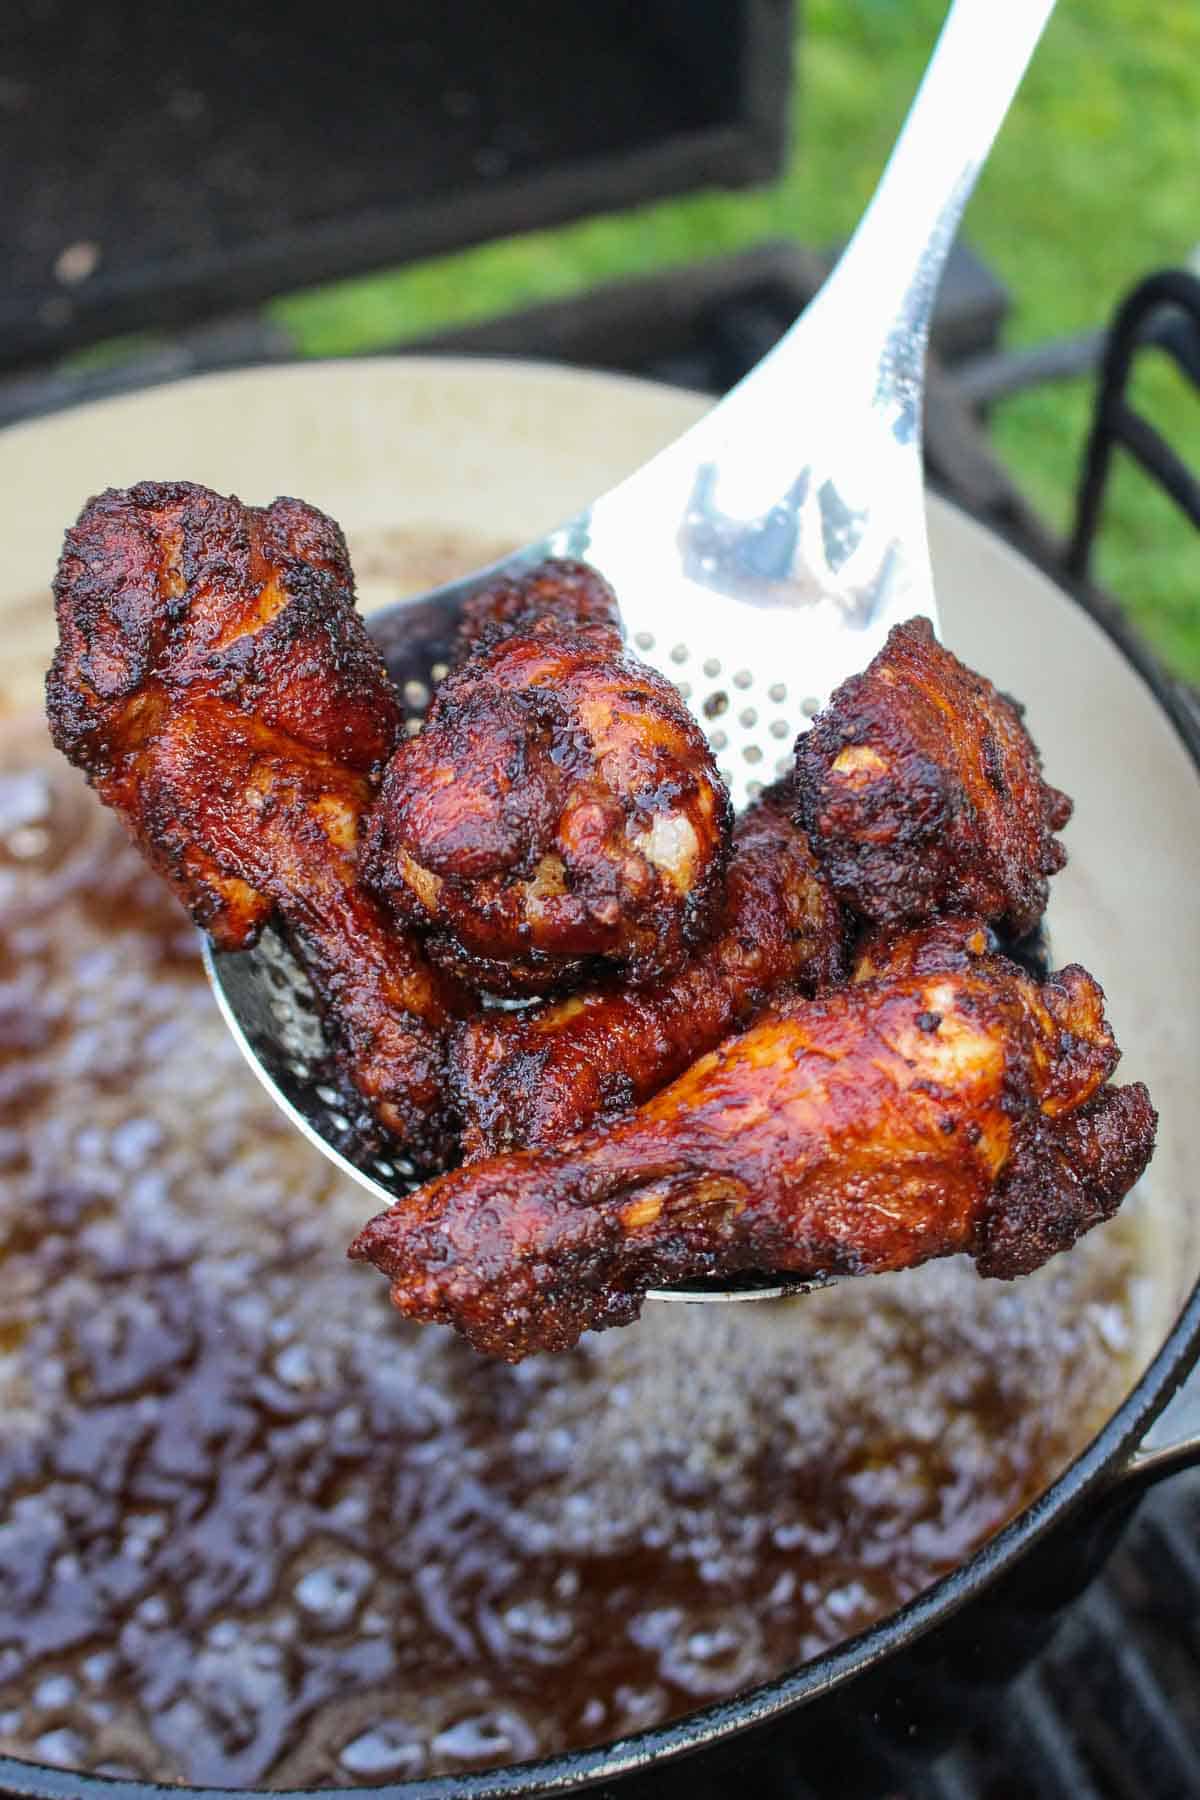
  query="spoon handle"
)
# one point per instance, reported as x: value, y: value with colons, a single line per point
x: 879, y: 299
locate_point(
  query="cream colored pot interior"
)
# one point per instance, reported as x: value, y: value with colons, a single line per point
x: 435, y: 466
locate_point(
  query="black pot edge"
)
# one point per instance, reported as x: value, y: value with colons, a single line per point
x: 1098, y: 1467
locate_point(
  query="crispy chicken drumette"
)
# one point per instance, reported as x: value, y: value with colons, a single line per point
x: 560, y: 803
x: 905, y: 1117
x: 573, y: 594
x: 527, y: 1079
x: 216, y: 684
x: 922, y: 792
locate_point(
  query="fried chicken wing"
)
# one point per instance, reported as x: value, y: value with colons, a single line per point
x: 527, y: 1079
x: 922, y: 792
x: 573, y: 594
x: 955, y: 941
x: 216, y: 684
x: 878, y: 1125
x: 1068, y: 1004
x: 560, y: 803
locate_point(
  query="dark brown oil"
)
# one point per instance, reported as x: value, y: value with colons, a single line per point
x: 256, y: 1530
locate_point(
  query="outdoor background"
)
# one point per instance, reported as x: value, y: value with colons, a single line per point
x: 1095, y: 181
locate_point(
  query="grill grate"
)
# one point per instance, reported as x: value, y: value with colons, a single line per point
x: 1110, y: 1711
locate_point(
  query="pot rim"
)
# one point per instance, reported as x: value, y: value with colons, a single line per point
x: 1110, y: 1457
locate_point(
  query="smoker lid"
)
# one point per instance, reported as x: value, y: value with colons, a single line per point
x: 180, y: 161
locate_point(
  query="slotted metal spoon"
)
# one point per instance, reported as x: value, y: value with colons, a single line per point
x: 759, y: 560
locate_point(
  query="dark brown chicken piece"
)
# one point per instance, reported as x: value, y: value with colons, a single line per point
x: 531, y: 1078
x: 560, y: 804
x: 1073, y: 1003
x: 955, y: 941
x: 872, y: 1128
x: 216, y: 684
x: 922, y: 792
x: 571, y: 593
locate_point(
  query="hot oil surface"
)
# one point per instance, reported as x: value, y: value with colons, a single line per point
x: 255, y: 1529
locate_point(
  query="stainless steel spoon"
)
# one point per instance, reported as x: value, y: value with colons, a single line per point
x: 759, y: 560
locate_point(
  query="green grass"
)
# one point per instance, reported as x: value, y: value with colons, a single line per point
x: 1092, y: 184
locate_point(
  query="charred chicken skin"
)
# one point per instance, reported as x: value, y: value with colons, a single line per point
x: 528, y: 1079
x: 922, y: 792
x: 570, y: 593
x: 905, y: 1117
x: 560, y: 804
x: 217, y: 686
x: 955, y: 941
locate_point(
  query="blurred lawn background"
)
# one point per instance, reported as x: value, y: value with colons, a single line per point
x: 1095, y: 182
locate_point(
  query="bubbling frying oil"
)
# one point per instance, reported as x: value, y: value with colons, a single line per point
x: 255, y: 1529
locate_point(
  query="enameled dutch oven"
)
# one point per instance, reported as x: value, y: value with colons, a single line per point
x: 433, y: 466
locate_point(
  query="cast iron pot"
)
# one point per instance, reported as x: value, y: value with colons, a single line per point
x: 437, y: 465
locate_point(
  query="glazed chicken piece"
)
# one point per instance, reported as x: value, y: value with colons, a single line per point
x: 878, y: 1125
x: 955, y: 941
x: 573, y: 594
x: 530, y: 1078
x: 922, y: 792
x: 217, y: 686
x: 560, y: 804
